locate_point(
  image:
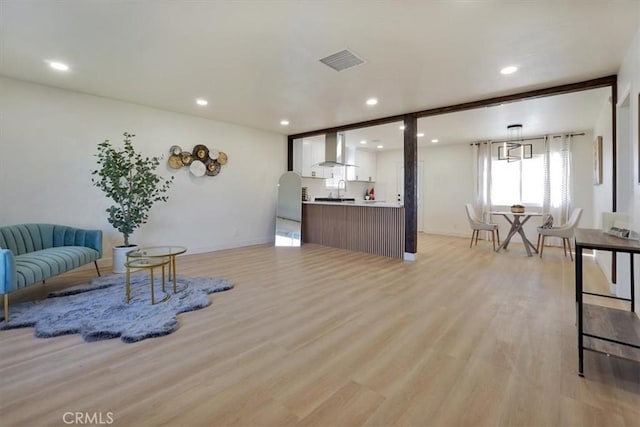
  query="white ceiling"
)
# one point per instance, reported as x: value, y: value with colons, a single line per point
x: 257, y: 61
x: 554, y: 114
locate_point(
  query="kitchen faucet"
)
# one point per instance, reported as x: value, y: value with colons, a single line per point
x: 345, y: 186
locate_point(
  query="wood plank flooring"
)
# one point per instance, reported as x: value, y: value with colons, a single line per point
x: 319, y: 336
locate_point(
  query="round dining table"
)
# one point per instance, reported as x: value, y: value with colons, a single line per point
x: 517, y: 221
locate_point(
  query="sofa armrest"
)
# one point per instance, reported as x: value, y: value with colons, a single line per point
x: 8, y: 280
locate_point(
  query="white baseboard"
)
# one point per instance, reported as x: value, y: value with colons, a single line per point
x: 410, y: 256
x: 231, y: 245
x: 448, y: 233
x: 107, y: 261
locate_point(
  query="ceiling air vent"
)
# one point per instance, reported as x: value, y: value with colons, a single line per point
x: 342, y: 60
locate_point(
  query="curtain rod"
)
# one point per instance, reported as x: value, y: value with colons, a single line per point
x: 570, y: 134
x: 533, y: 138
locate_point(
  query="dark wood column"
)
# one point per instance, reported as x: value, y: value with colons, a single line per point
x: 410, y: 184
x: 289, y: 153
x: 614, y: 169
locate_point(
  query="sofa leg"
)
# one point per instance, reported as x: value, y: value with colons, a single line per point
x: 6, y: 308
x: 97, y: 269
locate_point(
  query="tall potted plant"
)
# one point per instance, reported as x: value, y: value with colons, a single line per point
x: 131, y: 182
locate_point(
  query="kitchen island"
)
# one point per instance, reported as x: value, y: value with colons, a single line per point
x: 365, y: 226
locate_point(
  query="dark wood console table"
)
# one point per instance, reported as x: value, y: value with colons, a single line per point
x: 602, y: 329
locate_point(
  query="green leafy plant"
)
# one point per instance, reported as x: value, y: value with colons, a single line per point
x: 131, y: 182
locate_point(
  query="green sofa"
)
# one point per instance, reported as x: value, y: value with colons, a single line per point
x: 31, y: 253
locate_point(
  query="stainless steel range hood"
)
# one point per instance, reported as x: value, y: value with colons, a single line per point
x: 334, y: 150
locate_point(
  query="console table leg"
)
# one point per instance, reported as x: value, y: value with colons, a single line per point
x: 579, y: 309
x: 633, y: 286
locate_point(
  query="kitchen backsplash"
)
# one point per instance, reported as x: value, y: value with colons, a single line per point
x: 316, y: 188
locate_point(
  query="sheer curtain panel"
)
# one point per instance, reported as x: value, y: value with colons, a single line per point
x: 557, y: 181
x: 482, y: 184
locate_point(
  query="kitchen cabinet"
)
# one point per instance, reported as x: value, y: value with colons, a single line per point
x: 365, y: 162
x: 307, y: 153
x: 373, y: 229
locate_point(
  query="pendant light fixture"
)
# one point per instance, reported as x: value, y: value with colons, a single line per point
x: 514, y: 149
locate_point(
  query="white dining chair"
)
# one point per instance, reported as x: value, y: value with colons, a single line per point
x: 565, y: 232
x: 478, y: 225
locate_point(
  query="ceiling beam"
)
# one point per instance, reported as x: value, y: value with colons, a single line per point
x: 505, y: 99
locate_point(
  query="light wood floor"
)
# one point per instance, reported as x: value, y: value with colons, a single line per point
x: 325, y: 337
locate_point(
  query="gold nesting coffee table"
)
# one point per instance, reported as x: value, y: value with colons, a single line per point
x: 161, y: 252
x: 149, y: 264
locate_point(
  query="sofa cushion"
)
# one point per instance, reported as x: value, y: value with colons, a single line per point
x: 26, y: 238
x: 39, y: 265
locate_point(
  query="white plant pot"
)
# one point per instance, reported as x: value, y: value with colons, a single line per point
x: 120, y: 258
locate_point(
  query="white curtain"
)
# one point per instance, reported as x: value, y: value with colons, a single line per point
x: 482, y: 180
x: 557, y: 181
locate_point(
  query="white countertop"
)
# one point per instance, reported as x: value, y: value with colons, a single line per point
x: 367, y: 203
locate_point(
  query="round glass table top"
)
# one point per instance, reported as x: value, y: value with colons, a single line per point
x: 147, y: 262
x: 156, y: 251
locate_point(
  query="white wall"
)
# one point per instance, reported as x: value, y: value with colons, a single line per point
x: 48, y: 139
x: 602, y: 194
x: 582, y: 177
x: 387, y: 173
x: 448, y: 186
x: 629, y: 189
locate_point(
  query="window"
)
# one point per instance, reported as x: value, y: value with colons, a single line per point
x: 518, y: 182
x: 334, y: 176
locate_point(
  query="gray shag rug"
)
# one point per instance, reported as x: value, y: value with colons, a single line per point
x: 98, y: 311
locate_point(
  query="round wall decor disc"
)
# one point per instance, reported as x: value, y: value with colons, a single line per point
x: 186, y: 157
x: 213, y: 168
x: 175, y: 161
x: 200, y: 152
x: 197, y: 168
x: 222, y: 158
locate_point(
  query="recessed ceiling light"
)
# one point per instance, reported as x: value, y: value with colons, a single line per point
x: 401, y: 127
x: 202, y: 102
x: 509, y: 70
x: 420, y: 135
x: 58, y: 66
x: 380, y: 146
x: 363, y: 142
x: 435, y: 141
x: 284, y: 122
x: 372, y: 101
